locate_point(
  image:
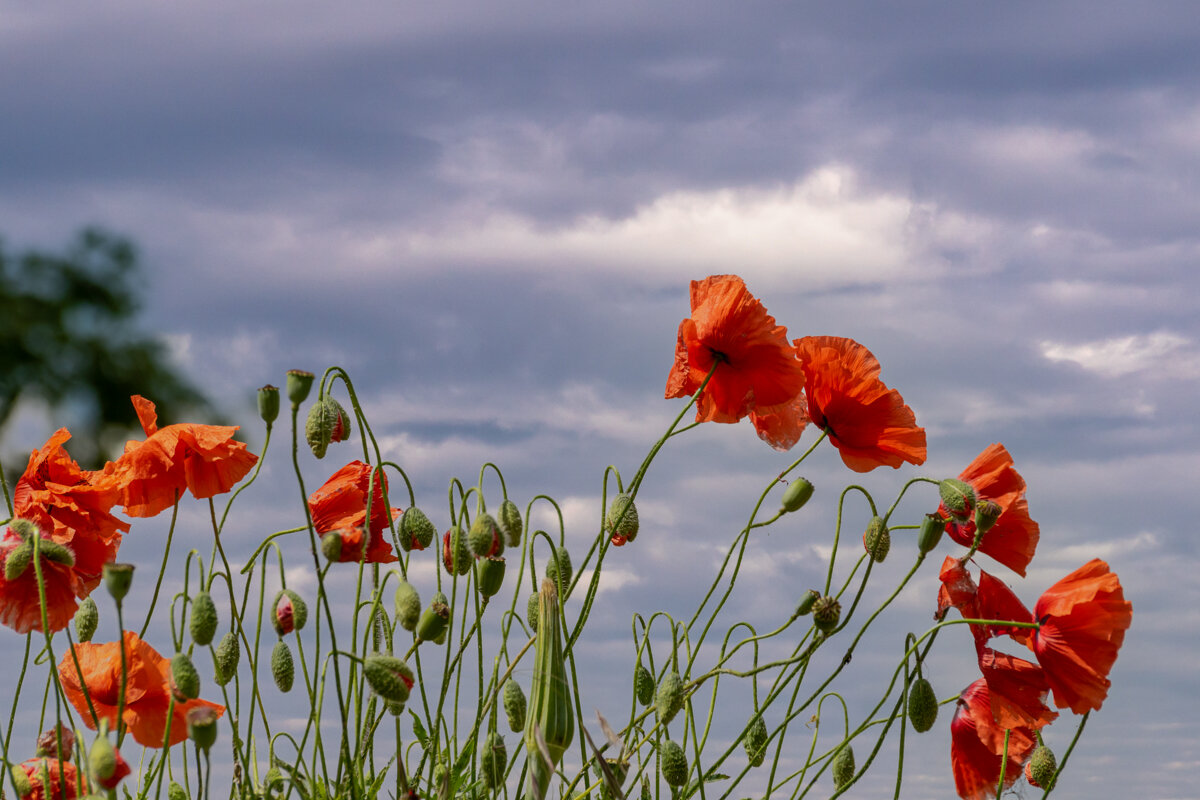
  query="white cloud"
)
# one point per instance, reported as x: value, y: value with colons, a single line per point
x: 1162, y: 353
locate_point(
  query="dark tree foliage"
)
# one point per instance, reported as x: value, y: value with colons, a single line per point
x: 68, y: 339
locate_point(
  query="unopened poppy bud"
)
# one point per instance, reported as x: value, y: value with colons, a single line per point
x: 283, y: 668
x: 493, y: 758
x: 176, y: 792
x: 643, y: 685
x: 986, y: 514
x: 202, y: 726
x: 932, y: 528
x: 388, y: 676
x: 922, y: 705
x: 672, y: 763
x: 509, y: 518
x: 826, y: 612
x: 434, y: 620
x: 299, y: 383
x: 957, y: 496
x: 203, y: 620
x: 1041, y: 767
x: 87, y: 618
x: 416, y: 532
x: 550, y: 724
x: 755, y: 741
x: 668, y: 700
x: 268, y: 403
x: 484, y: 537
x: 225, y: 658
x: 185, y: 680
x: 21, y: 782
x: 408, y: 606
x: 558, y: 569
x: 621, y: 522
x: 796, y: 495
x: 24, y: 528
x: 117, y: 579
x: 58, y: 553
x: 18, y: 560
x: 843, y: 766
x: 48, y: 742
x: 877, y: 540
x: 289, y: 612
x: 514, y: 705
x: 455, y: 555
x: 327, y: 422
x: 105, y: 764
x: 531, y: 611
x: 807, y: 600
x: 489, y: 575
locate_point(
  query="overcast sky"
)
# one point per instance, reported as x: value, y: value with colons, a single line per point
x: 489, y: 213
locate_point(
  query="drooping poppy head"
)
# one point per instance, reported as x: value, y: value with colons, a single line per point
x: 1013, y: 538
x: 1083, y: 619
x: 204, y: 459
x: 977, y: 746
x: 866, y: 421
x: 989, y: 599
x: 52, y: 779
x: 757, y: 373
x: 1017, y: 689
x: 340, y: 504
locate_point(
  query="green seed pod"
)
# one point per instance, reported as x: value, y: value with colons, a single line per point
x: 877, y: 540
x: 514, y: 705
x: 796, y: 495
x: 957, y: 496
x: 327, y: 422
x: 826, y: 612
x: 225, y: 658
x: 388, y: 676
x: 434, y: 620
x: 118, y: 579
x: 416, y: 532
x: 289, y: 612
x: 621, y: 522
x: 531, y: 611
x: 203, y: 620
x: 202, y: 726
x: 1041, y: 767
x: 87, y: 617
x: 807, y: 601
x: 843, y: 766
x: 484, y: 537
x: 17, y: 561
x: 668, y: 700
x: 672, y: 763
x: 185, y: 680
x: 298, y: 385
x: 755, y: 741
x: 176, y: 792
x: 643, y: 685
x: 550, y: 724
x: 283, y: 669
x: 922, y: 705
x: 986, y: 514
x: 408, y: 606
x: 493, y: 758
x: 489, y: 575
x: 932, y: 528
x: 268, y: 403
x: 509, y: 518
x: 558, y: 569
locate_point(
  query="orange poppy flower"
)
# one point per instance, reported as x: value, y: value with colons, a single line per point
x: 147, y: 692
x: 1018, y: 690
x: 341, y: 505
x: 52, y: 779
x: 977, y: 745
x: 989, y: 599
x: 204, y: 459
x: 20, y: 603
x: 866, y: 421
x: 1013, y: 538
x: 757, y: 372
x: 1083, y: 619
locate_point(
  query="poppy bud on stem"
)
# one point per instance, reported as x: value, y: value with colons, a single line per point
x: 550, y: 725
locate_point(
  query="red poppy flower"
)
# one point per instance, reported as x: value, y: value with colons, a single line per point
x: 757, y: 372
x: 204, y: 459
x: 147, y: 692
x: 20, y: 603
x: 52, y: 779
x: 1083, y: 619
x: 977, y: 745
x: 866, y: 421
x: 1013, y: 538
x: 989, y: 599
x: 120, y: 772
x: 1018, y: 690
x: 341, y: 505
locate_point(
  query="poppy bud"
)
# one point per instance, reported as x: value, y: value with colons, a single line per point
x: 225, y: 658
x: 807, y: 601
x: 755, y: 741
x: 105, y: 764
x: 24, y: 528
x: 18, y: 560
x: 289, y: 612
x: 986, y: 514
x: 327, y: 422
x: 509, y: 518
x: 957, y: 496
x: 408, y: 606
x: 493, y: 758
x: 388, y: 676
x: 48, y: 742
x: 185, y: 680
x: 514, y: 705
x: 531, y: 611
x: 1041, y: 767
x: 455, y: 555
x: 268, y: 403
x: 932, y: 528
x: 117, y: 579
x: 21, y: 782
x: 922, y: 705
x: 434, y: 620
x: 550, y: 724
x: 643, y: 685
x: 484, y: 537
x: 176, y: 792
x: 668, y: 700
x: 203, y: 620
x: 826, y: 612
x: 58, y: 553
x: 558, y: 569
x: 796, y: 495
x: 672, y: 763
x: 416, y: 532
x: 202, y: 726
x: 299, y: 383
x: 489, y: 575
x: 283, y: 669
x: 877, y: 540
x: 621, y: 522
x: 843, y: 766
